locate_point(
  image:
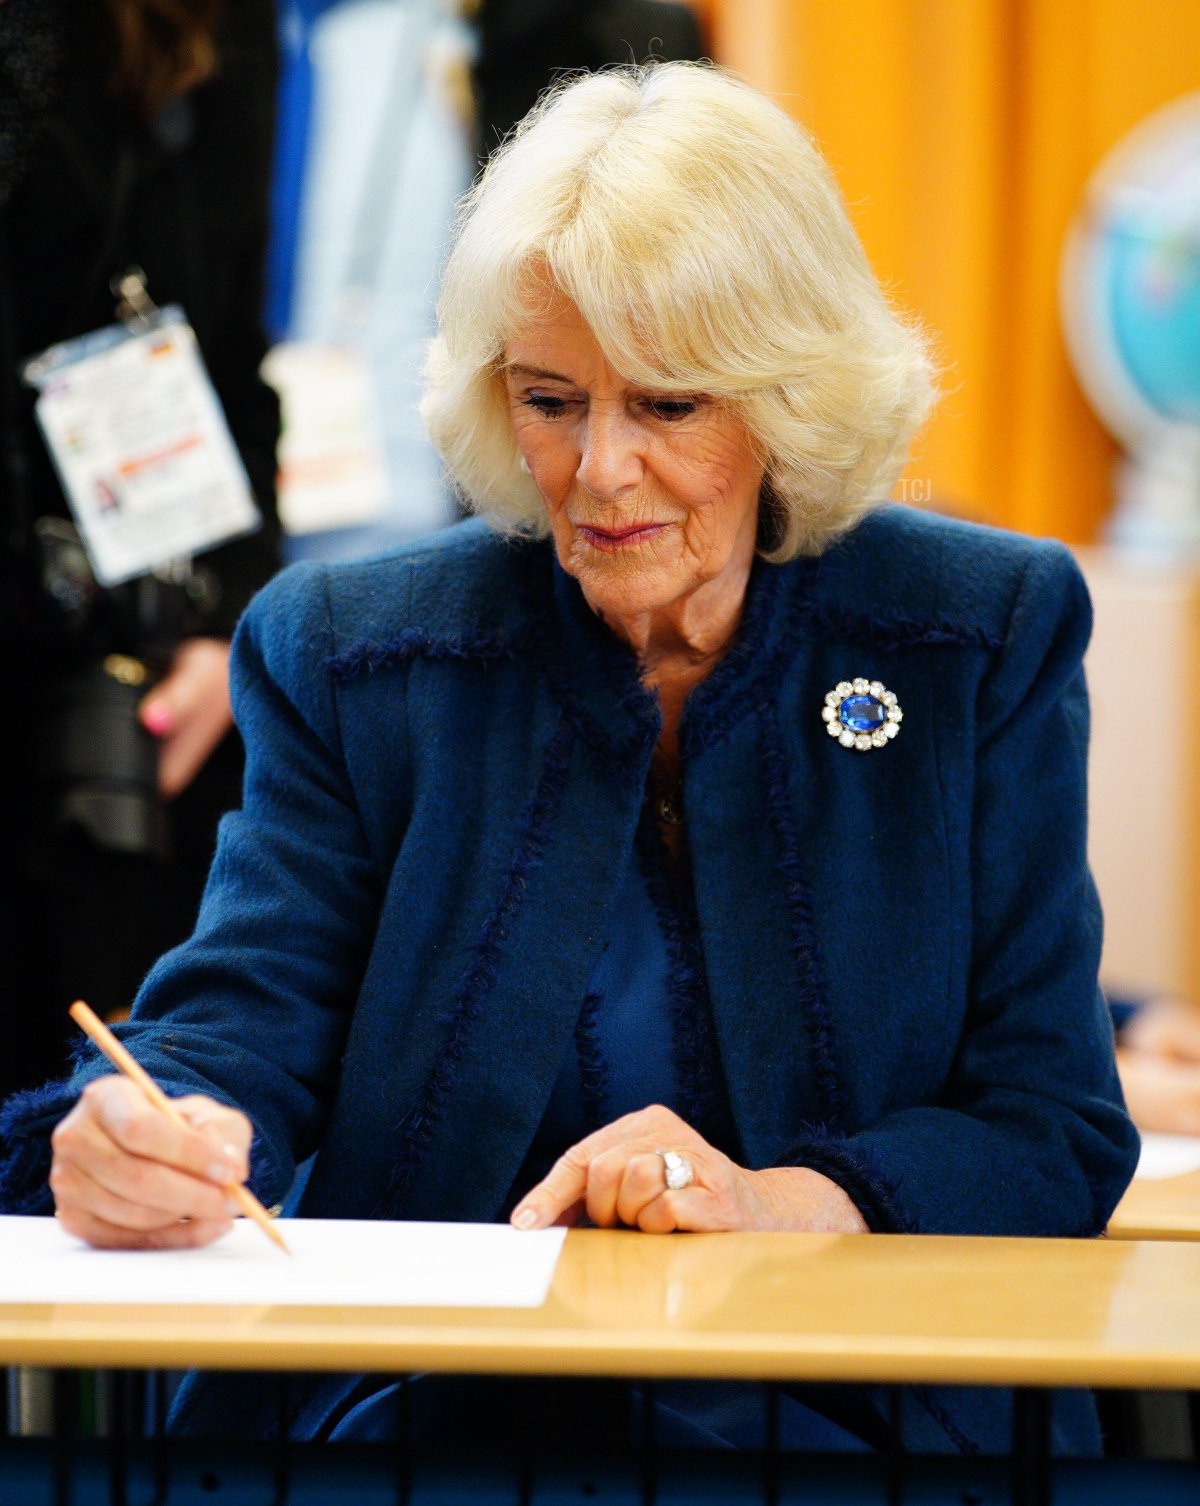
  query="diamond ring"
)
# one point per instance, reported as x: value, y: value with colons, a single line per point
x: 677, y: 1170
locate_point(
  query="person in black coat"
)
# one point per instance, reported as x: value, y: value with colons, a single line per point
x: 126, y: 138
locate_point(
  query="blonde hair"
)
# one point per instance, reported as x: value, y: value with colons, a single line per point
x: 705, y: 243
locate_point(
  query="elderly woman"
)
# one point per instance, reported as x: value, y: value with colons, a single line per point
x: 689, y: 844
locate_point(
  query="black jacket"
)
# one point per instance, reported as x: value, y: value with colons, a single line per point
x: 193, y: 216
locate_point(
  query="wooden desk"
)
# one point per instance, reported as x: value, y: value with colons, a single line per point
x: 1163, y: 1208
x: 757, y: 1306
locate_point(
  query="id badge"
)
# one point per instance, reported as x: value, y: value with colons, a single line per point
x: 331, y: 465
x: 141, y: 446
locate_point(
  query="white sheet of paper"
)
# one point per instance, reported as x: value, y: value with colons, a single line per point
x: 1167, y: 1156
x: 334, y: 1262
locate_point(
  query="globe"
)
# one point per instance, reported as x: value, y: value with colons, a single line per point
x: 1131, y: 313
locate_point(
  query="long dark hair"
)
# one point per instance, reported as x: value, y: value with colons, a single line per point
x: 164, y: 47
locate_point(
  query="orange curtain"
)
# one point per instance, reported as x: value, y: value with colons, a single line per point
x: 963, y: 132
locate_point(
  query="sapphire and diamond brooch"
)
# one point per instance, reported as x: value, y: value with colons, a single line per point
x: 862, y: 714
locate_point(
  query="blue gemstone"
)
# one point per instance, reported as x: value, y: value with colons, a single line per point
x: 862, y: 713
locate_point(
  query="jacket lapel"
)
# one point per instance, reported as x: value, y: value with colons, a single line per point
x: 593, y: 732
x: 765, y: 1036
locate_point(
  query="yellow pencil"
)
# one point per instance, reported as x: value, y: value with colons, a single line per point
x: 94, y: 1027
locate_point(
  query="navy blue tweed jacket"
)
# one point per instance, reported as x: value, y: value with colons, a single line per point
x: 447, y: 756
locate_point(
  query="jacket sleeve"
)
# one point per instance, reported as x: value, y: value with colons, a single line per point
x: 1030, y: 1136
x: 253, y: 1009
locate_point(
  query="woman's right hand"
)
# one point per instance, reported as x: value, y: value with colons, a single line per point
x: 126, y: 1177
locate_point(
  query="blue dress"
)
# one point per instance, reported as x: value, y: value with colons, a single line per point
x: 644, y: 1035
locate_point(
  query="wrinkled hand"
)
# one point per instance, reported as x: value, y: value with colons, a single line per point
x: 189, y: 711
x: 125, y: 1177
x: 615, y: 1177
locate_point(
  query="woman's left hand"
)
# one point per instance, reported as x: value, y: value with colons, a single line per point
x: 616, y: 1177
x: 189, y: 712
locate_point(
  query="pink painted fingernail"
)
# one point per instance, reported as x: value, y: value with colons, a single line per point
x: 526, y: 1219
x: 156, y: 718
